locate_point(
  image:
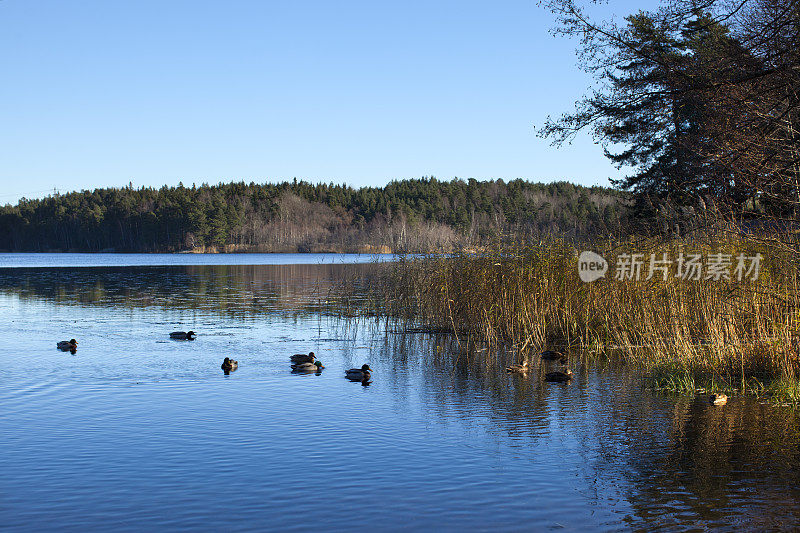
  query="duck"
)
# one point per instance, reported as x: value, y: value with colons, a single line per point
x: 559, y: 376
x: 551, y: 355
x: 316, y: 366
x: 65, y: 346
x: 522, y: 368
x: 183, y: 335
x: 358, y: 374
x: 303, y: 358
x: 718, y: 398
x: 229, y: 364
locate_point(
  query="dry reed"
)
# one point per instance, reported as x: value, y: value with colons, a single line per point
x: 723, y: 333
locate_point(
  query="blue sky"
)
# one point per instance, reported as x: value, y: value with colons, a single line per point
x: 99, y: 93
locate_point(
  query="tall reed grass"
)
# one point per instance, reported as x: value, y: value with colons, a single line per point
x: 723, y: 333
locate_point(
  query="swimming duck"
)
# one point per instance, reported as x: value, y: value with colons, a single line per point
x: 229, y: 364
x: 183, y: 335
x: 560, y: 376
x: 302, y: 358
x: 519, y: 368
x: 550, y: 355
x: 66, y: 346
x: 359, y: 374
x: 718, y: 399
x: 308, y: 367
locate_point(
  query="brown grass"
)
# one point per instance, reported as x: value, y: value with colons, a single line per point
x: 740, y: 333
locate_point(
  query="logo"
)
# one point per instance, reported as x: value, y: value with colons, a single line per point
x: 591, y: 266
x: 688, y: 266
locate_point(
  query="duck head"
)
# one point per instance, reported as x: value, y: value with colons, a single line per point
x: 190, y: 335
x: 366, y: 368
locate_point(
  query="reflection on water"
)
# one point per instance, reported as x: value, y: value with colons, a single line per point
x: 135, y: 430
x: 239, y: 290
x: 80, y: 260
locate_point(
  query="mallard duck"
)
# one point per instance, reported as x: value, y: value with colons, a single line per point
x: 316, y: 366
x: 66, y: 346
x: 303, y: 358
x: 522, y: 368
x: 718, y: 399
x: 550, y: 355
x: 229, y: 364
x: 183, y: 335
x: 559, y: 375
x: 358, y: 374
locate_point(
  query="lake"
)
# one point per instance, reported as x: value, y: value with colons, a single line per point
x: 40, y: 260
x: 136, y: 431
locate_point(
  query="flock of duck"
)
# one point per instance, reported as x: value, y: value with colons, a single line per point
x: 308, y: 363
x: 301, y: 363
x: 564, y: 375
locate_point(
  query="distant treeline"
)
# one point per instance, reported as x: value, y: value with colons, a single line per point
x: 409, y: 216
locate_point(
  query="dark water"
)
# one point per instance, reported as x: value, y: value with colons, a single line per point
x: 19, y: 260
x: 136, y: 431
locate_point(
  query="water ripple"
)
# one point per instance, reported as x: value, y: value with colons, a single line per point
x: 139, y: 432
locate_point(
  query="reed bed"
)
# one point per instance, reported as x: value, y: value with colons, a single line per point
x: 727, y: 334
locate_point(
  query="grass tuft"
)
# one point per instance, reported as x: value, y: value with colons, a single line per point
x: 686, y: 335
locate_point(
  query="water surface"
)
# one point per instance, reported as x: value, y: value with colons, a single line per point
x: 71, y: 260
x: 137, y: 431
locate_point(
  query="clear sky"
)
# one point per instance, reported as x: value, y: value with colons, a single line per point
x: 102, y: 93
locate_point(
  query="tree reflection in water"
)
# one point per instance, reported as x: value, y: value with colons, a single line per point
x: 654, y: 461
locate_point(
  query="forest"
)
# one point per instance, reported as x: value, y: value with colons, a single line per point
x: 699, y: 100
x: 418, y: 215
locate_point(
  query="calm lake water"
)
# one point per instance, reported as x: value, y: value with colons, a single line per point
x: 136, y: 431
x: 111, y: 260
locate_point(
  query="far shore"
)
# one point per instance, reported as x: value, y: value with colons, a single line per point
x: 208, y: 250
